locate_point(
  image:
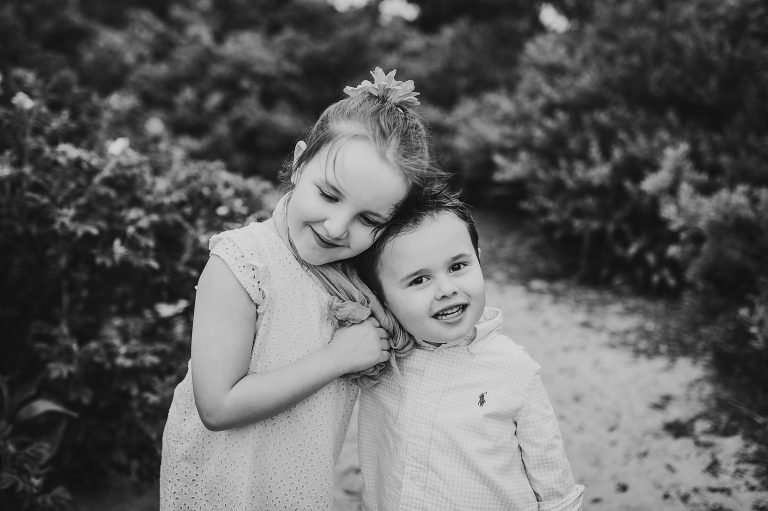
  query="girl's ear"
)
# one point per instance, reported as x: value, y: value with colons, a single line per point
x: 297, y: 151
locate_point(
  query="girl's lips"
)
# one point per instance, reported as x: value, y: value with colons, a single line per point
x: 322, y: 241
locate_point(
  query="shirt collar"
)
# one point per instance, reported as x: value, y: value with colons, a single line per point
x: 490, y: 321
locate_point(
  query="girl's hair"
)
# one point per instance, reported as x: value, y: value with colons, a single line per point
x: 394, y: 128
x: 421, y: 206
x: 385, y: 118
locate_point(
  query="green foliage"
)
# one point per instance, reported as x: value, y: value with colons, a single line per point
x: 31, y: 429
x: 725, y: 239
x: 595, y: 113
x: 461, y: 59
x: 100, y: 249
x: 636, y: 140
x: 640, y: 138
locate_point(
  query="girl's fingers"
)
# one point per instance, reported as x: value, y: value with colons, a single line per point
x: 383, y: 334
x: 385, y: 344
x: 374, y: 321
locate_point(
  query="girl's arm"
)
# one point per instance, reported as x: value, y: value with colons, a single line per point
x: 223, y: 330
x: 541, y: 445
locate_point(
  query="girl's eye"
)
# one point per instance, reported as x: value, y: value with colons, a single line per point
x: 417, y: 281
x: 457, y: 266
x: 327, y: 197
x: 368, y: 221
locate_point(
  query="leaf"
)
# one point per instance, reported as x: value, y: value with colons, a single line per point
x: 8, y: 480
x: 25, y: 392
x: 40, y: 407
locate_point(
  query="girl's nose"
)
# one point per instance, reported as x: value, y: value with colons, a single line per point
x: 337, y: 227
x: 446, y: 287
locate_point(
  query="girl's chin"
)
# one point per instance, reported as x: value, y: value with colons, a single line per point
x: 326, y: 256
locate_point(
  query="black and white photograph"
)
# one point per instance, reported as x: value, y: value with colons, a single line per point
x: 383, y: 255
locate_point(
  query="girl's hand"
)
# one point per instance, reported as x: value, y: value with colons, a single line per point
x: 359, y: 346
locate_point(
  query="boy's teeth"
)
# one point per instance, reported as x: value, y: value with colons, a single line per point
x: 453, y: 311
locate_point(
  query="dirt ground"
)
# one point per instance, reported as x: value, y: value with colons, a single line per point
x: 617, y: 411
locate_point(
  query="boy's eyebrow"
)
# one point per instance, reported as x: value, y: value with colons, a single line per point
x: 452, y: 260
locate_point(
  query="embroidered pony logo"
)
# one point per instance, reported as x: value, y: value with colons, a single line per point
x: 481, y: 400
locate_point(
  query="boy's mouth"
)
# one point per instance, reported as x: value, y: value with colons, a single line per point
x: 451, y: 312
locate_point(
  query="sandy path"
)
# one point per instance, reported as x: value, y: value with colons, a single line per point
x: 612, y: 407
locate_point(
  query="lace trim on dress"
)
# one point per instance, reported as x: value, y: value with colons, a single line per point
x: 245, y: 262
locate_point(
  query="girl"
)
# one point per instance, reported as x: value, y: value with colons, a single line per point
x: 467, y: 425
x: 259, y: 419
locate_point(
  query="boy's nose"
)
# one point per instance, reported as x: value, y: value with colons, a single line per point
x: 446, y: 287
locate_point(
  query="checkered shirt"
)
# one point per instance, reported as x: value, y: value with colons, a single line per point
x: 470, y: 428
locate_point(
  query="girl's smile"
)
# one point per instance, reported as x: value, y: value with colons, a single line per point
x: 341, y: 195
x: 323, y: 242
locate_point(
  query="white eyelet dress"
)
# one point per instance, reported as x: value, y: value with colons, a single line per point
x: 285, y: 462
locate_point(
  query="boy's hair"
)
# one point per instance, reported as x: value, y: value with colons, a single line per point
x: 414, y: 211
x: 398, y: 133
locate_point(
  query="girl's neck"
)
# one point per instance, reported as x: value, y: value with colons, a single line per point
x: 281, y: 225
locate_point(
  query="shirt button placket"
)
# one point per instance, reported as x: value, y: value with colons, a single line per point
x: 421, y: 425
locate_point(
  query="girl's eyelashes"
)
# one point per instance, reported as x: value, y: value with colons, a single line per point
x: 327, y: 196
x: 369, y: 221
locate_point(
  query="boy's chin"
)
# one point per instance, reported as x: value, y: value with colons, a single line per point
x: 452, y: 339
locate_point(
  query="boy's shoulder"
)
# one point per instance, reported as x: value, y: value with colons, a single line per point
x: 498, y: 345
x: 505, y: 346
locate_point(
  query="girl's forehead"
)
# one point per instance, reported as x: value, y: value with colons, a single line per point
x: 358, y: 173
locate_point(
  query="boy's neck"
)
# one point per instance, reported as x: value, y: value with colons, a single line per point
x: 462, y: 341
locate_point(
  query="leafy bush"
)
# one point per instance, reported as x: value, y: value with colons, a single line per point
x: 595, y: 112
x: 29, y: 438
x: 100, y: 249
x: 639, y: 137
x: 724, y: 242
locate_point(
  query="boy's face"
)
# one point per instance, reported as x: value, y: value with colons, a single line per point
x: 432, y: 281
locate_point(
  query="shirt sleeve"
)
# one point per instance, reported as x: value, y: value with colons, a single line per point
x: 243, y: 260
x: 543, y: 452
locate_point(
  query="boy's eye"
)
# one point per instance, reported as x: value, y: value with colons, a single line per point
x: 457, y: 266
x: 326, y: 196
x: 417, y: 281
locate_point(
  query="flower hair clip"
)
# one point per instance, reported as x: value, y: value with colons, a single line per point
x: 386, y: 88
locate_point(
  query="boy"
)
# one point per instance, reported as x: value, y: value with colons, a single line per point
x: 470, y: 425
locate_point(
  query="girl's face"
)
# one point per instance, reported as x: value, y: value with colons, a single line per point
x: 432, y: 281
x: 339, y: 199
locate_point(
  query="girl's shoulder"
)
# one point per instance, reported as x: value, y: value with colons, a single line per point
x: 247, y: 251
x: 252, y: 235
